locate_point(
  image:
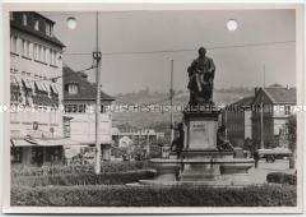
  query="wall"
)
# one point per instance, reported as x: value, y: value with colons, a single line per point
x: 28, y: 68
x: 235, y: 127
x: 82, y: 127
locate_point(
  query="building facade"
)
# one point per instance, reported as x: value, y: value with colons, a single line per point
x: 36, y: 88
x: 238, y: 121
x: 273, y: 107
x: 80, y: 104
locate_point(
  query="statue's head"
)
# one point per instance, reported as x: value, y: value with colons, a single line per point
x: 202, y: 51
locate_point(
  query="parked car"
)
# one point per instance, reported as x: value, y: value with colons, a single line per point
x: 274, y: 153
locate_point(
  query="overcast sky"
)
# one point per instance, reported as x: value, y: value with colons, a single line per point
x: 122, y: 33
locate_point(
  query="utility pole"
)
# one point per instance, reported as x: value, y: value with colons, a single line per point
x: 148, y: 143
x: 171, y: 100
x: 264, y: 75
x: 261, y: 126
x: 225, y: 122
x: 97, y: 55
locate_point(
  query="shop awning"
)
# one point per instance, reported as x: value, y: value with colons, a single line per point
x: 27, y: 83
x: 41, y: 86
x: 54, y: 88
x: 43, y: 142
x: 15, y: 80
x: 56, y: 142
x: 45, y: 87
x: 21, y: 143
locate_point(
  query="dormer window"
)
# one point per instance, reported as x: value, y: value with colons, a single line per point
x: 48, y: 29
x: 25, y: 19
x: 36, y: 25
x: 72, y: 88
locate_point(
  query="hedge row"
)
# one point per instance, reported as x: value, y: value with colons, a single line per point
x: 83, y: 179
x: 121, y: 195
x: 20, y: 170
x: 281, y: 178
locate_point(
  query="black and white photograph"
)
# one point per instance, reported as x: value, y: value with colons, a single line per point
x: 162, y: 109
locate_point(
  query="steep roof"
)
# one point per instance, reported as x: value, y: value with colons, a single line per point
x: 16, y: 23
x: 281, y: 95
x: 87, y: 90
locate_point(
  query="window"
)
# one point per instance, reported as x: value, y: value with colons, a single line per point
x: 287, y: 110
x: 36, y: 50
x: 30, y: 49
x: 46, y: 55
x: 73, y: 88
x: 43, y: 55
x: 14, y: 44
x: 48, y: 29
x: 36, y: 25
x: 103, y: 109
x: 54, y: 58
x: 40, y: 53
x: 82, y: 108
x: 71, y: 108
x: 24, y: 19
x: 51, y: 57
x: 25, y: 48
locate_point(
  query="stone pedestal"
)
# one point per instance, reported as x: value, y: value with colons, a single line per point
x: 201, y: 130
x: 200, y: 172
x: 200, y: 146
x: 200, y: 162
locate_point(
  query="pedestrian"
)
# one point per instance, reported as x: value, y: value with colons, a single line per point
x: 256, y: 158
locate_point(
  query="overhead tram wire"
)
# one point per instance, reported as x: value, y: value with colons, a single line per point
x: 171, y: 51
x: 183, y: 50
x: 60, y: 76
x: 177, y: 50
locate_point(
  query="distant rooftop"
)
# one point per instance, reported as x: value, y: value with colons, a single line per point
x: 282, y: 95
x: 87, y: 90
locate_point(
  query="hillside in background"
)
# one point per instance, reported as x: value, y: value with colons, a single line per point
x: 159, y: 118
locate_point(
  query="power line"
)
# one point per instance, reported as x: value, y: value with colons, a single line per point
x: 181, y: 50
x: 61, y: 76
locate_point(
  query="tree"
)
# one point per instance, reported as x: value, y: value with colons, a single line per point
x: 292, y: 132
x: 292, y: 137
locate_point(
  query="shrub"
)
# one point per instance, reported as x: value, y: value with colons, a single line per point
x: 121, y: 195
x: 84, y: 179
x: 19, y: 170
x: 281, y: 178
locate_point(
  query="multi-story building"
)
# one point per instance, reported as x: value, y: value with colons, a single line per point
x: 80, y: 104
x: 238, y: 121
x: 273, y: 107
x: 36, y: 89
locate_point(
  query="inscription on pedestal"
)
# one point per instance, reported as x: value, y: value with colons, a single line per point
x: 202, y: 134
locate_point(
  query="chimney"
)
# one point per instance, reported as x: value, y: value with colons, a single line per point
x: 256, y: 90
x: 83, y: 75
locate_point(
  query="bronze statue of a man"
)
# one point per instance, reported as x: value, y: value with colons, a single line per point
x: 201, y: 76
